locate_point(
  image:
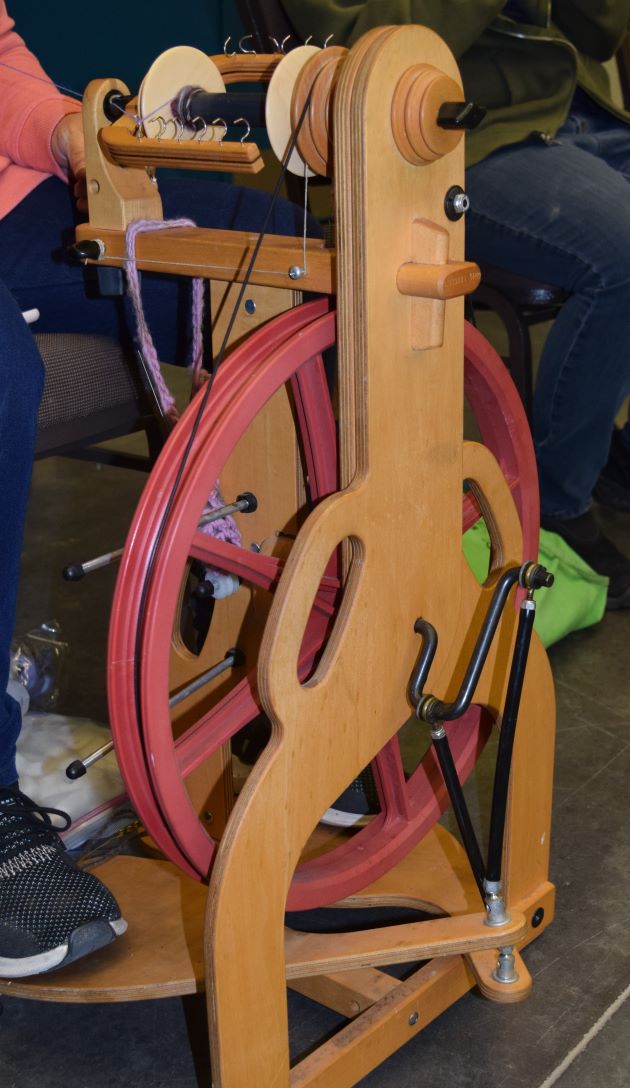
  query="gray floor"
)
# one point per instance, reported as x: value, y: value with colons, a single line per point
x: 581, y: 965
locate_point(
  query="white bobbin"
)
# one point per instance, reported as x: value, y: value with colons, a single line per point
x: 278, y: 107
x: 176, y: 68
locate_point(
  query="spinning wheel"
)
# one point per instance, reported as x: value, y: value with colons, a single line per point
x: 353, y: 551
x: 144, y: 633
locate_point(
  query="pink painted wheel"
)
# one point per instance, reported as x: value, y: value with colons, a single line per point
x: 163, y: 542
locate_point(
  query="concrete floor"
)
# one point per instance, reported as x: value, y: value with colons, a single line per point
x: 581, y: 965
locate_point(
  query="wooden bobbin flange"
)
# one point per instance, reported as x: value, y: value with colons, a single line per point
x: 178, y: 67
x: 417, y: 99
x: 278, y: 108
x: 317, y: 78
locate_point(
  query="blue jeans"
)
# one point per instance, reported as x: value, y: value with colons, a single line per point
x: 21, y: 381
x: 33, y: 273
x: 560, y: 212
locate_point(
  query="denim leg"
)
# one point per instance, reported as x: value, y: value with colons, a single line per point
x: 560, y: 213
x: 21, y: 380
x: 33, y: 237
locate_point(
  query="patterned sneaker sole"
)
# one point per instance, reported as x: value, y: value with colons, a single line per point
x: 86, y: 939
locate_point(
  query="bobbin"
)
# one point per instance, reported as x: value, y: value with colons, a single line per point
x: 174, y: 69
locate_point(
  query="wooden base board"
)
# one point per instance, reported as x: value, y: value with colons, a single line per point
x: 161, y: 955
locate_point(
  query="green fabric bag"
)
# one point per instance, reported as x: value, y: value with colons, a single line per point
x: 577, y: 598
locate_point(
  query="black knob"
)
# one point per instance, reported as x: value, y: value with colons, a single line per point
x: 535, y: 576
x: 250, y: 499
x: 115, y: 103
x: 76, y: 769
x: 237, y: 655
x: 460, y: 115
x: 88, y: 250
x: 73, y: 572
x: 204, y: 591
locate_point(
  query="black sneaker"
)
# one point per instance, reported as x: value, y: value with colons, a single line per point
x: 51, y: 912
x: 613, y: 487
x: 584, y: 535
x: 356, y: 806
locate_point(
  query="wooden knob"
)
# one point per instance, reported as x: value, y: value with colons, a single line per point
x: 440, y: 281
x: 415, y: 107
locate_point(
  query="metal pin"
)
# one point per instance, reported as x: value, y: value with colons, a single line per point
x: 284, y: 42
x: 242, y: 47
x: 75, y: 571
x: 79, y: 767
x: 328, y: 39
x: 245, y: 503
x: 232, y: 660
x: 225, y: 45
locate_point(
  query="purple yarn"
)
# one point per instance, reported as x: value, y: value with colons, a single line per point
x: 225, y: 528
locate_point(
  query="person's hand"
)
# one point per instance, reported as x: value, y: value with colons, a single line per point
x: 68, y: 147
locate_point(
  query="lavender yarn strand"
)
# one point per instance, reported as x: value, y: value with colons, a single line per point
x: 224, y: 528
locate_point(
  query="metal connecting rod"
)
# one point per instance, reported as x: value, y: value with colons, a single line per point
x: 435, y: 712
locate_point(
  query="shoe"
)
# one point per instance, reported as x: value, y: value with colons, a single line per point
x: 584, y: 535
x: 357, y: 805
x: 613, y: 487
x: 51, y: 912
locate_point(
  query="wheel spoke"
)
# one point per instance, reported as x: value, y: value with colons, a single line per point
x: 254, y: 568
x: 236, y: 709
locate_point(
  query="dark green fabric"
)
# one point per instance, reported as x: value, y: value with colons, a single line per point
x: 524, y: 72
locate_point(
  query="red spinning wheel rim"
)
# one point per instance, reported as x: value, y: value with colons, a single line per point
x: 142, y: 534
x: 409, y: 808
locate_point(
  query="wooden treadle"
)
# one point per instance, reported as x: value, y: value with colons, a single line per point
x: 161, y: 955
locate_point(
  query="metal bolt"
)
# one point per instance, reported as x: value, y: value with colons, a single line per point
x: 456, y: 203
x: 296, y: 272
x: 250, y: 306
x: 413, y: 1019
x: 505, y: 971
x: 537, y: 917
x: 461, y: 203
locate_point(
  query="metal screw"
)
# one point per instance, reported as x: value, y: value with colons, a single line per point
x: 296, y: 272
x: 250, y: 306
x: 208, y: 817
x: 413, y: 1019
x: 537, y: 917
